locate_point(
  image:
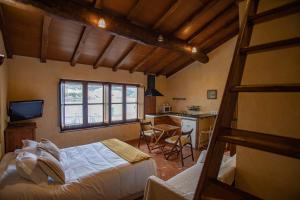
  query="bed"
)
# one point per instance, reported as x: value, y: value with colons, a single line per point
x: 92, y: 171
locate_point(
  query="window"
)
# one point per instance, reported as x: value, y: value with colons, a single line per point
x: 86, y: 104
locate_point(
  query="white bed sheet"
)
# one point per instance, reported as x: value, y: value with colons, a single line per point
x: 92, y: 172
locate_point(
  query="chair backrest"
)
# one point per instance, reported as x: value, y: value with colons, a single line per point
x: 187, y: 133
x: 145, y: 125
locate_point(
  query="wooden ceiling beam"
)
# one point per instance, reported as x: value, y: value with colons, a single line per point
x: 180, y: 67
x: 144, y: 60
x: 162, y: 56
x: 233, y: 27
x: 123, y: 57
x: 203, y: 17
x: 105, y: 50
x: 89, y: 16
x: 97, y: 4
x: 5, y: 35
x: 169, y: 12
x: 45, y: 35
x: 164, y: 69
x: 221, y: 41
x: 219, y: 22
x: 80, y: 45
x: 134, y: 9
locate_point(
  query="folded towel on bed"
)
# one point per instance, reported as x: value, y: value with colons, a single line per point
x: 125, y: 151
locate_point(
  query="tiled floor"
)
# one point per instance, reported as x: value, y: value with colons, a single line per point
x: 168, y: 168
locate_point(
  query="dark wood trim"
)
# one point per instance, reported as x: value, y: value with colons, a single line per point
x: 123, y: 57
x: 272, y: 46
x: 45, y: 36
x: 267, y: 88
x: 169, y: 12
x: 7, y: 45
x: 88, y: 15
x: 287, y: 9
x: 262, y: 141
x: 80, y: 45
x: 180, y: 67
x: 105, y: 50
x: 145, y: 59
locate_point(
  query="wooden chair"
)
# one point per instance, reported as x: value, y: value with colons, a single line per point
x: 178, y: 142
x: 147, y: 132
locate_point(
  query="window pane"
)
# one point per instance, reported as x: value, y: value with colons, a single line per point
x: 131, y: 94
x: 95, y: 114
x: 131, y: 111
x: 116, y: 94
x: 116, y: 112
x: 95, y: 93
x: 73, y: 115
x: 73, y: 93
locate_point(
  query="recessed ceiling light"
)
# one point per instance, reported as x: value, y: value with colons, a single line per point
x: 101, y: 23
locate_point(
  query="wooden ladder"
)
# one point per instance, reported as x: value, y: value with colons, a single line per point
x: 208, y: 186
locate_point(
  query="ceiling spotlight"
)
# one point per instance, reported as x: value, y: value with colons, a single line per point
x: 101, y: 23
x: 160, y: 38
x: 194, y: 50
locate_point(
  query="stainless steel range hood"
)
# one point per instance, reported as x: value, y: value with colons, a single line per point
x: 151, y: 91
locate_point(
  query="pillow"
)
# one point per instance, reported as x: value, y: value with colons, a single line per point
x: 29, y: 143
x: 29, y: 149
x: 50, y: 147
x: 52, y: 167
x: 227, y: 171
x: 28, y: 168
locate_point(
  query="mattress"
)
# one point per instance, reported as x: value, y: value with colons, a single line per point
x: 92, y: 172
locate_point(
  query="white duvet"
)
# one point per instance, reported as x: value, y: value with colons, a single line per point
x: 92, y: 172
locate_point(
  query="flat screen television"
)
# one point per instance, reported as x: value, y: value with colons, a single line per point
x: 23, y: 110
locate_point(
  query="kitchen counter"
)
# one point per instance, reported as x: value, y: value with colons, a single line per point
x: 184, y: 116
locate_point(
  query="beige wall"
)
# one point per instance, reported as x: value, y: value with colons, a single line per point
x: 3, y: 96
x: 30, y: 79
x: 267, y: 175
x: 193, y: 81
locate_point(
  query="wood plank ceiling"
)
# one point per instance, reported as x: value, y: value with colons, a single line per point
x: 203, y: 23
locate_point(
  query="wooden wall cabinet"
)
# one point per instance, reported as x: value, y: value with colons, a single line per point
x: 15, y: 133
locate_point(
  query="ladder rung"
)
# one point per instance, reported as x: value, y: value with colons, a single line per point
x: 217, y: 190
x: 272, y: 46
x: 267, y: 88
x: 274, y: 13
x: 266, y: 142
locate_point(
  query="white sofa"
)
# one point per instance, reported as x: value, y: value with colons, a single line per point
x: 183, y: 185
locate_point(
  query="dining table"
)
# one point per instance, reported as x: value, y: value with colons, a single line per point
x: 164, y: 130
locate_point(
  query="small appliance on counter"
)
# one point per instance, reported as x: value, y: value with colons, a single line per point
x: 166, y: 108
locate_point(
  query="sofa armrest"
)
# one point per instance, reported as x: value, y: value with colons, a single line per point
x: 157, y: 189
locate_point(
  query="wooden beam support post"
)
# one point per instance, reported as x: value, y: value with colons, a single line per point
x: 89, y: 16
x: 84, y: 34
x: 7, y: 45
x: 45, y: 35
